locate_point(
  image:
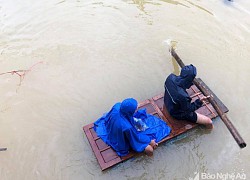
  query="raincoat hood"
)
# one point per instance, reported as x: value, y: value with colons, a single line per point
x: 128, y: 107
x: 187, y: 76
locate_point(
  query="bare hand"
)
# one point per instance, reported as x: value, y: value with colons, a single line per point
x: 204, y: 98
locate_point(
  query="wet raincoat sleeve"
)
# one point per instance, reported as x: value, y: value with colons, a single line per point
x: 187, y: 106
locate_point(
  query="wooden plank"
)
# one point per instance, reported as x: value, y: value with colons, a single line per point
x: 107, y: 157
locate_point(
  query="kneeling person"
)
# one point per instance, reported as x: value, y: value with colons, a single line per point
x: 116, y: 128
x: 177, y: 100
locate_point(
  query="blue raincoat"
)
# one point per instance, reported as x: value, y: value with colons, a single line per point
x: 176, y: 98
x: 116, y: 128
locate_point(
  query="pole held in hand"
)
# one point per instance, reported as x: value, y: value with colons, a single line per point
x: 222, y: 115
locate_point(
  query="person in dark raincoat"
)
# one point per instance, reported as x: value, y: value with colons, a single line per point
x: 117, y: 128
x: 177, y: 101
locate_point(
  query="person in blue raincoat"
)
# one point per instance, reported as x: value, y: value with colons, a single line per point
x: 177, y: 101
x: 119, y: 129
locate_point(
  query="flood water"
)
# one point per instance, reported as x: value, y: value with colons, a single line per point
x: 89, y: 54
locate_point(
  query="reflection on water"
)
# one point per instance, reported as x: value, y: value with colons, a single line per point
x: 175, y: 3
x: 202, y: 8
x: 141, y: 4
x: 103, y: 4
x: 60, y: 2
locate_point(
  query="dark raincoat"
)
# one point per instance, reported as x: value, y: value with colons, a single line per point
x: 116, y: 128
x: 176, y: 98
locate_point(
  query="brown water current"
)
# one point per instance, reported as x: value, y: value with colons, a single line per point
x: 96, y: 53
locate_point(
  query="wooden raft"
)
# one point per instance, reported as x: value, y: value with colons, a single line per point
x: 107, y: 157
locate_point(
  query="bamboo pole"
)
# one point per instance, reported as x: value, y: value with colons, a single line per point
x: 222, y: 115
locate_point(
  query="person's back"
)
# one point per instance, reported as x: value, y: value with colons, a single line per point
x: 115, y: 129
x: 174, y: 95
x: 177, y: 101
x: 117, y: 126
x: 122, y: 135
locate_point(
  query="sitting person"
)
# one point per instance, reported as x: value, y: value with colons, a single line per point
x: 177, y: 101
x: 123, y: 129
